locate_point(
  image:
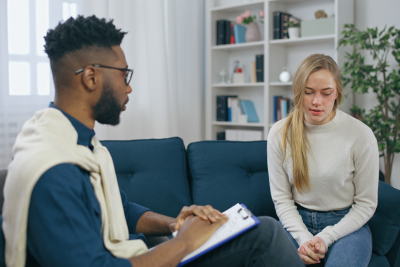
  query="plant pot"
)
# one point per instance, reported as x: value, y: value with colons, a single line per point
x: 294, y: 32
x: 252, y: 33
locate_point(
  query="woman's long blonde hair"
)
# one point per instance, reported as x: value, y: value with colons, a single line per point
x: 293, y: 130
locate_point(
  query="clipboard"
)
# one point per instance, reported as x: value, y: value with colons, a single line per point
x: 240, y: 220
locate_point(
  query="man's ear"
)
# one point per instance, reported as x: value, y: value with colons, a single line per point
x: 90, y: 78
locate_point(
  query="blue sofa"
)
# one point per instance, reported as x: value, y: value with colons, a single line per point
x: 164, y: 176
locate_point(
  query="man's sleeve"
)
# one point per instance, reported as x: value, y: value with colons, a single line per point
x: 63, y: 227
x: 133, y: 212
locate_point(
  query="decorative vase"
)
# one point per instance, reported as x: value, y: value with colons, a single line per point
x: 252, y: 33
x: 294, y: 32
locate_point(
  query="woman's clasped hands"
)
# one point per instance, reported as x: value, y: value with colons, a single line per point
x: 311, y: 252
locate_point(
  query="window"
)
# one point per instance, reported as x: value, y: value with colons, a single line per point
x: 26, y: 84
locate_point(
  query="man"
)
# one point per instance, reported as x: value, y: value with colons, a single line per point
x: 62, y: 203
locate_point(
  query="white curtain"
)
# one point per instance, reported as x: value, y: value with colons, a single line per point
x: 165, y: 47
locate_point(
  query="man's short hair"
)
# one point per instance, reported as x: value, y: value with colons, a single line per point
x: 75, y: 34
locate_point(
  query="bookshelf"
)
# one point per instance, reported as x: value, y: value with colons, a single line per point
x: 277, y: 55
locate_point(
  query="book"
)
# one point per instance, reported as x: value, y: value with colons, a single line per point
x: 284, y: 107
x: 239, y: 32
x: 249, y: 110
x: 232, y: 109
x: 253, y: 72
x: 277, y: 24
x: 223, y: 32
x: 227, y: 32
x: 240, y: 220
x: 232, y: 34
x: 222, y: 107
x: 220, y: 32
x: 260, y: 68
x: 275, y: 100
x: 284, y: 25
x: 221, y: 136
x: 243, y: 135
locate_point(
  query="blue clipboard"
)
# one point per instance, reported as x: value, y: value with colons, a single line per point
x: 246, y: 215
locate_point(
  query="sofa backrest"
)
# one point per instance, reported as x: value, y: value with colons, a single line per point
x: 152, y: 173
x: 224, y: 173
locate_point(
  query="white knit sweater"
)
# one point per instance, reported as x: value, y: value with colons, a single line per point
x: 343, y: 164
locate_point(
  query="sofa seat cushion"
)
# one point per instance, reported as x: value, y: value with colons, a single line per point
x: 378, y: 261
x: 152, y: 173
x: 385, y: 224
x: 224, y: 173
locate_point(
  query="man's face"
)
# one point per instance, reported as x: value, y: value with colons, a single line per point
x: 108, y: 109
x: 114, y: 95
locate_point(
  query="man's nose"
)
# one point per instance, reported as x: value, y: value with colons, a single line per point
x: 128, y: 89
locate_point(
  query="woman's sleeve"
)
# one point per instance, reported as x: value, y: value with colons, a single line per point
x: 281, y: 190
x: 366, y: 166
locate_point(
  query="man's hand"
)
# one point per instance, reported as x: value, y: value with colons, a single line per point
x: 206, y: 213
x: 311, y: 252
x: 195, y: 231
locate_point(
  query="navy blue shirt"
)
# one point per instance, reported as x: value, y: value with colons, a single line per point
x: 64, y: 219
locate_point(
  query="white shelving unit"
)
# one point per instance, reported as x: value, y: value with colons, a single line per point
x: 277, y: 55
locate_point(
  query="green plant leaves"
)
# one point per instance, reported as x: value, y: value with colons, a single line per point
x: 378, y: 78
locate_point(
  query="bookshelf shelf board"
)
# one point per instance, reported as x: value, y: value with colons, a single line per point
x: 237, y: 46
x: 313, y: 39
x: 237, y: 7
x: 280, y: 84
x: 247, y: 124
x: 237, y: 85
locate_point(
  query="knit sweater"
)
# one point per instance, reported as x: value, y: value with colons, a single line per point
x: 343, y: 164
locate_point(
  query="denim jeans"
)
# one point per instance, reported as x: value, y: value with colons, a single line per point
x: 351, y: 250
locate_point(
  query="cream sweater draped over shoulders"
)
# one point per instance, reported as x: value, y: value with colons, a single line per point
x: 46, y: 140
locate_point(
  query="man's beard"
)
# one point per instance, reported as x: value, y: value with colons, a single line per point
x: 107, y: 110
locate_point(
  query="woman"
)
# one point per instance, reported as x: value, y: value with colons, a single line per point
x: 323, y: 168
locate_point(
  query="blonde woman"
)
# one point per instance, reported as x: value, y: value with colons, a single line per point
x: 323, y: 169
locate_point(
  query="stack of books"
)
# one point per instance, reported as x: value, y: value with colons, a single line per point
x: 230, y: 33
x: 281, y: 107
x: 280, y: 23
x: 230, y: 108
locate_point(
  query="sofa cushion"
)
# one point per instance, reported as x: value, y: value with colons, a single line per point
x: 152, y: 173
x: 378, y: 261
x: 385, y: 224
x: 224, y: 173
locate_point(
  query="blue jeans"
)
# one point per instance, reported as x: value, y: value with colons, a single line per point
x: 354, y: 249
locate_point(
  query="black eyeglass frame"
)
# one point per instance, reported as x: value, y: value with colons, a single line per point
x: 128, y: 75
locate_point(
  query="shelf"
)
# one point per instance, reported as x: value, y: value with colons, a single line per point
x: 237, y: 7
x: 237, y: 85
x: 229, y: 47
x: 280, y: 84
x: 305, y: 40
x: 248, y: 124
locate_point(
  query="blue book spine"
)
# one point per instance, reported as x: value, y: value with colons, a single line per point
x: 239, y: 33
x: 284, y: 109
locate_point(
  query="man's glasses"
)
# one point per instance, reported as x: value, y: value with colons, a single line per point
x: 128, y: 76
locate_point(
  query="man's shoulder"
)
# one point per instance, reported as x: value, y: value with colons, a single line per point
x: 63, y: 176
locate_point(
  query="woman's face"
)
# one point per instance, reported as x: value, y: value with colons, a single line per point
x: 319, y: 97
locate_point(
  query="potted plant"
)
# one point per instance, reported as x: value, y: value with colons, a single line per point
x: 293, y: 28
x: 252, y: 31
x: 381, y: 79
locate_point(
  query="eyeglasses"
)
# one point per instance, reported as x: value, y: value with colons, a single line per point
x: 128, y: 76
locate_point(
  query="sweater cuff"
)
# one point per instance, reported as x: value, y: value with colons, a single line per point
x: 304, y: 238
x: 327, y: 239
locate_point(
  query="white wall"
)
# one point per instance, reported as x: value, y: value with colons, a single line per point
x: 370, y: 14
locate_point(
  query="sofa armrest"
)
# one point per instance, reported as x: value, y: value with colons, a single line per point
x: 393, y: 255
